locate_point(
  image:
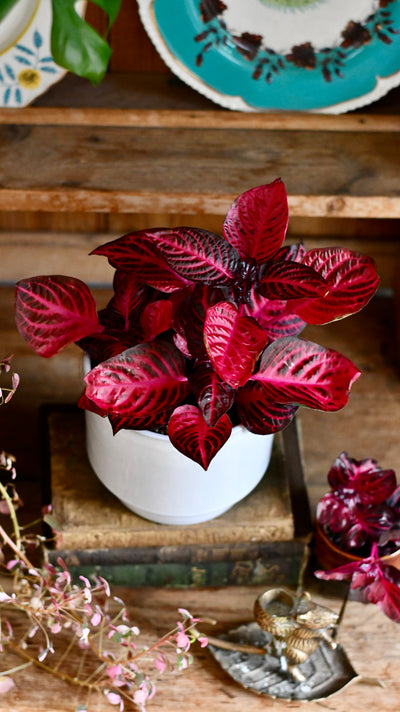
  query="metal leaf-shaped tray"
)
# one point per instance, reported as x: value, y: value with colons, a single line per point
x: 326, y: 671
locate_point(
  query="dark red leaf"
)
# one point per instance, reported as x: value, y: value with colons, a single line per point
x: 198, y: 255
x: 257, y: 221
x: 291, y: 280
x: 295, y: 252
x: 103, y: 346
x: 137, y: 252
x: 86, y: 404
x: 142, y: 381
x: 129, y: 297
x: 378, y: 581
x: 233, y: 343
x: 190, y: 434
x: 256, y: 412
x: 156, y: 318
x: 303, y: 373
x: 190, y: 318
x: 53, y: 311
x: 213, y: 396
x: 362, y: 478
x: 273, y: 317
x: 352, y: 281
x: 156, y: 421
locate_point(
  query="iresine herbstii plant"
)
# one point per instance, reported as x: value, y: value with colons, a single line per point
x: 203, y: 330
x: 362, y: 508
x: 46, y: 618
x: 361, y: 516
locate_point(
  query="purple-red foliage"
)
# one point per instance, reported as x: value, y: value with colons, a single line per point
x: 206, y: 321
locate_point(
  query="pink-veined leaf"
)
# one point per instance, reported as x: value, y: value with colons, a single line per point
x: 129, y: 297
x: 53, y: 311
x: 303, y: 373
x: 156, y: 318
x: 258, y: 414
x: 190, y: 318
x: 147, y: 379
x: 233, y: 343
x: 214, y: 397
x: 363, y: 479
x: 101, y: 347
x: 155, y: 421
x: 295, y: 252
x: 378, y: 581
x: 257, y: 221
x: 352, y: 281
x: 137, y: 252
x: 190, y: 434
x: 291, y: 280
x: 86, y: 404
x: 273, y: 316
x: 199, y: 255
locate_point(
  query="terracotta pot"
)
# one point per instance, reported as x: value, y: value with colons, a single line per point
x: 328, y: 554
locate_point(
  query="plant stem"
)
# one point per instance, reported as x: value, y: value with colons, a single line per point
x: 34, y: 661
x: 237, y: 647
x: 20, y: 554
x: 17, y: 533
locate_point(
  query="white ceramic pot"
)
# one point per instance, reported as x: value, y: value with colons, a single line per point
x: 157, y: 482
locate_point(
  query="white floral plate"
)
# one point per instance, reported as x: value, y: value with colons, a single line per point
x: 26, y: 65
x: 254, y: 55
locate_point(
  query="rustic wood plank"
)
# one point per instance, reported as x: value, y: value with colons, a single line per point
x: 163, y: 202
x: 108, y: 169
x: 185, y: 118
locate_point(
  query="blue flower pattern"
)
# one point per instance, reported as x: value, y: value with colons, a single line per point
x: 28, y: 56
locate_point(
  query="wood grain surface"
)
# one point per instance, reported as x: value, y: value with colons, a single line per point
x: 370, y: 640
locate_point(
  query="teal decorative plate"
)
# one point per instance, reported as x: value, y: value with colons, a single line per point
x: 26, y: 65
x: 301, y: 55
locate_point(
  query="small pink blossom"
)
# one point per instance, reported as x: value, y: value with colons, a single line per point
x: 113, y: 671
x: 115, y: 699
x: 106, y: 586
x: 160, y: 663
x: 140, y: 696
x: 185, y: 614
x: 96, y: 619
x: 6, y: 684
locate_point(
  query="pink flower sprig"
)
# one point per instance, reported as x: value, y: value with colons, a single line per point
x: 48, y: 615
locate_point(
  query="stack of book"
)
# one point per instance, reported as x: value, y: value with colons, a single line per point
x: 261, y: 540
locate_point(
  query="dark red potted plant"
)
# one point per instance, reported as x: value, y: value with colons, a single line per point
x: 361, y: 509
x: 202, y: 333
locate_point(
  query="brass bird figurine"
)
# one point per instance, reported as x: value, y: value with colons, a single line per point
x: 297, y: 626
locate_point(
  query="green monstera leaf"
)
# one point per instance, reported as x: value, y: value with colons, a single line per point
x: 75, y: 45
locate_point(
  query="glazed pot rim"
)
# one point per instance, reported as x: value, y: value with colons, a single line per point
x: 320, y: 531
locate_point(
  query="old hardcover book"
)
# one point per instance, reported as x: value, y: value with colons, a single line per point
x: 262, y: 539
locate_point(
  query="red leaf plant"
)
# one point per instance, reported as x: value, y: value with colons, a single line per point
x: 362, y: 508
x: 378, y: 579
x: 206, y: 321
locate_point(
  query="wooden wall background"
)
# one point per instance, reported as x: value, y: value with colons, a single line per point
x: 51, y: 242
x: 133, y: 53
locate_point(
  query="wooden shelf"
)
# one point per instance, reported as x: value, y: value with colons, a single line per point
x: 124, y: 160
